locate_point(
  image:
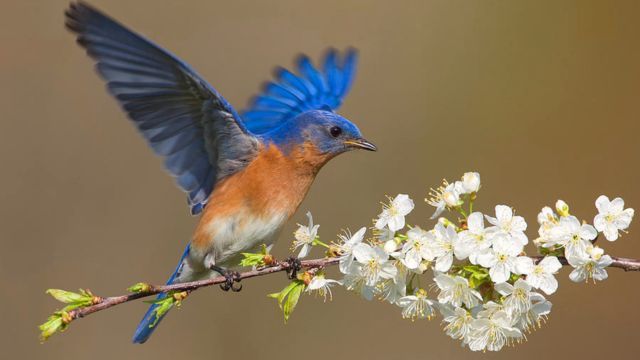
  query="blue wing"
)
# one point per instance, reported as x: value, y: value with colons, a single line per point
x: 184, y: 119
x: 293, y: 94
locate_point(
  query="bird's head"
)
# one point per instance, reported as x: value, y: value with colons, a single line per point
x: 330, y: 133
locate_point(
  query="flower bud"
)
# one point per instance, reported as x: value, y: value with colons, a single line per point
x: 179, y: 296
x: 268, y: 259
x: 139, y: 287
x: 334, y: 251
x: 306, y: 277
x: 451, y: 198
x: 390, y: 246
x: 66, y: 317
x: 471, y: 182
x: 562, y: 208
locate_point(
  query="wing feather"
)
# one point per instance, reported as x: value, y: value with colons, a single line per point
x: 183, y: 118
x: 293, y: 94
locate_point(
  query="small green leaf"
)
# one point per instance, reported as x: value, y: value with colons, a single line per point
x: 164, y: 305
x: 552, y: 251
x: 292, y: 300
x: 139, y: 287
x: 477, y: 275
x: 67, y: 297
x: 288, y: 297
x: 57, y: 322
x: 74, y: 300
x: 514, y: 278
x: 255, y: 259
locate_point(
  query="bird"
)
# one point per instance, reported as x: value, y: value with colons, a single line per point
x: 244, y: 173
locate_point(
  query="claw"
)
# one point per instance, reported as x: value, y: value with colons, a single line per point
x: 231, y: 278
x: 294, y: 266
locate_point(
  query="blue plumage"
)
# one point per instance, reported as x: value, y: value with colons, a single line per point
x: 164, y: 98
x: 310, y: 90
x: 149, y: 323
x: 203, y: 140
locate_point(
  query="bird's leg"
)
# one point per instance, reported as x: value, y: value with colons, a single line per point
x: 231, y: 278
x: 294, y: 267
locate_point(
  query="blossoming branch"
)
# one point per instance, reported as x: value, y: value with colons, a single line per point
x: 489, y: 292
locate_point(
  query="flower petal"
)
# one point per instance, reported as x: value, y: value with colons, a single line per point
x: 602, y: 204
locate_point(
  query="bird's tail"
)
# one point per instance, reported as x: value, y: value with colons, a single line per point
x: 149, y: 322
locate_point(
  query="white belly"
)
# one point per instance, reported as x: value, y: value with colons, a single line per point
x: 231, y: 236
x: 241, y: 233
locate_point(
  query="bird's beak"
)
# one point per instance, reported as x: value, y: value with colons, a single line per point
x: 361, y: 144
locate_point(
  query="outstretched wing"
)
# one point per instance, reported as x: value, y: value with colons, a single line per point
x: 293, y: 94
x: 182, y: 117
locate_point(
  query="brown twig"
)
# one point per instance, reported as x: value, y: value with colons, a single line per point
x: 108, y: 302
x: 618, y: 262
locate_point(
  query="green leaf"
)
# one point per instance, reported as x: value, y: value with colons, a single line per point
x: 164, y: 305
x: 552, y: 251
x: 255, y: 259
x: 251, y: 259
x: 514, y: 278
x: 57, y: 322
x: 477, y: 275
x: 68, y: 297
x: 74, y: 300
x: 139, y: 287
x: 292, y: 300
x: 288, y: 297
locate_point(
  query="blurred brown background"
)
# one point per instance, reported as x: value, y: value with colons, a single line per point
x: 540, y: 97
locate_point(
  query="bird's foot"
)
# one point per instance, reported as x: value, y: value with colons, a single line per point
x: 294, y: 266
x: 231, y: 278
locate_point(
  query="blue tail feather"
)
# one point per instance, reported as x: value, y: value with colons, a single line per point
x: 145, y: 328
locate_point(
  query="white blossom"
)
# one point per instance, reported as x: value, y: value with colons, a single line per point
x: 612, y: 217
x: 383, y: 235
x: 304, y: 237
x: 574, y: 236
x: 416, y: 306
x: 540, y: 275
x: 493, y: 333
x: 590, y: 265
x: 538, y: 312
x: 500, y: 259
x: 497, y: 313
x: 392, y: 290
x: 441, y: 247
x: 447, y: 195
x: 514, y: 226
x: 487, y: 309
x: 346, y: 245
x: 374, y: 263
x: 473, y: 241
x: 547, y: 219
x: 322, y: 286
x: 459, y: 322
x: 516, y: 299
x: 470, y: 182
x: 455, y: 290
x: 416, y: 248
x: 393, y: 214
x: 356, y: 281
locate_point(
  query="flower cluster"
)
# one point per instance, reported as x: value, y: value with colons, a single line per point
x: 487, y: 290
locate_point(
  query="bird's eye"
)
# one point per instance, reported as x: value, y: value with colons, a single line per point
x: 335, y: 131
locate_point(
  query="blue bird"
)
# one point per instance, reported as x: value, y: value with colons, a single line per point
x: 244, y: 173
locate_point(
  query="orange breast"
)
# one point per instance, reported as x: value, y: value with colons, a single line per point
x: 273, y: 183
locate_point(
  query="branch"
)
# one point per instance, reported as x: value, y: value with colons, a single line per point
x: 618, y: 262
x: 108, y: 302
